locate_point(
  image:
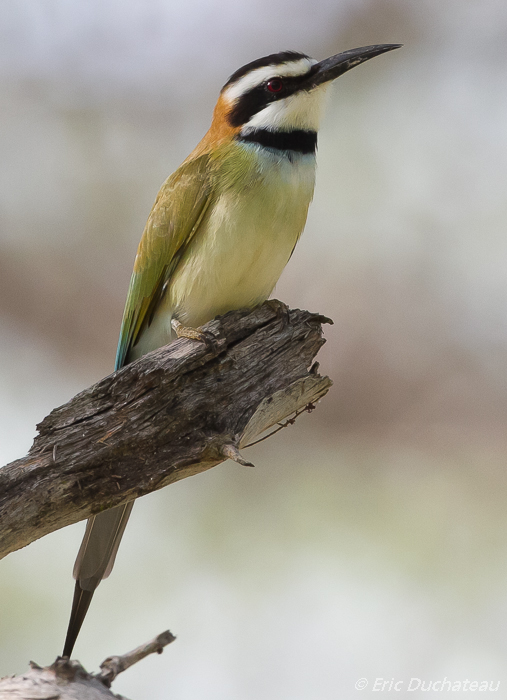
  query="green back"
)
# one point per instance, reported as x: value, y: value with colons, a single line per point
x: 174, y: 218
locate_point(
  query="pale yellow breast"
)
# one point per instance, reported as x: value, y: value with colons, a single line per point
x: 243, y: 243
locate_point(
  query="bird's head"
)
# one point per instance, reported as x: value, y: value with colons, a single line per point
x: 285, y: 91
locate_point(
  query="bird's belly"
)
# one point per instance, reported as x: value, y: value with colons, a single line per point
x: 239, y: 251
x: 236, y: 259
x: 236, y: 265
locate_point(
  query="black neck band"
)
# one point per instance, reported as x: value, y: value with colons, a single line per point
x: 299, y: 141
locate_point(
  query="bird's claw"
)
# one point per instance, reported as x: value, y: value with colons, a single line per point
x: 195, y: 334
x: 281, y: 310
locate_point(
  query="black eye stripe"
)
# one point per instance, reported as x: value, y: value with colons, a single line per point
x: 259, y: 97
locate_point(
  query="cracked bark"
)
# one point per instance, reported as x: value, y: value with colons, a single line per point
x: 176, y: 412
x: 68, y: 680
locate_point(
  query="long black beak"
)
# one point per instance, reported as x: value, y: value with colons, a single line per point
x: 331, y: 68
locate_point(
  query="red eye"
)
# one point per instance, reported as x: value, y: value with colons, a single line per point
x: 274, y: 85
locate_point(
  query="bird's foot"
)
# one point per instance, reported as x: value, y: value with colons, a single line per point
x: 194, y: 334
x: 281, y: 310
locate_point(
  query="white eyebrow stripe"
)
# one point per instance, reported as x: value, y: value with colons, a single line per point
x: 260, y: 75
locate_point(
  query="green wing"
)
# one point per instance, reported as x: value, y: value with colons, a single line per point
x: 176, y: 215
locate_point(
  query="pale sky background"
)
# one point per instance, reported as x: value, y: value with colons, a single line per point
x: 371, y: 540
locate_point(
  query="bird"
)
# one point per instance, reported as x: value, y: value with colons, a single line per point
x: 220, y: 232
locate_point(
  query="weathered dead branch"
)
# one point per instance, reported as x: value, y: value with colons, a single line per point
x: 175, y: 412
x: 68, y: 680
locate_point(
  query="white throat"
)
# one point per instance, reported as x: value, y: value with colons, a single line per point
x: 302, y: 110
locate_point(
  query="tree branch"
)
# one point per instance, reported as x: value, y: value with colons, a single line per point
x: 68, y: 680
x: 115, y: 665
x: 176, y: 412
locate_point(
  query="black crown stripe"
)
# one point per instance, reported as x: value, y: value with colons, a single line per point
x: 274, y: 59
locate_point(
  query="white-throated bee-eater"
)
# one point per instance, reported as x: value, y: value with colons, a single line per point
x: 222, y: 229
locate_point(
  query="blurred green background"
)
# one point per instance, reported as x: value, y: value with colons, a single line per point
x: 371, y: 539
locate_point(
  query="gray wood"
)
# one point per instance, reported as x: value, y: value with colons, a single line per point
x: 68, y: 680
x: 64, y: 680
x: 176, y: 412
